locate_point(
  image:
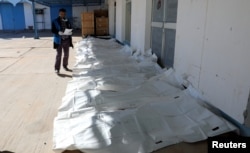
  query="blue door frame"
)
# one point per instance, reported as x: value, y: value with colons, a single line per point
x: 7, y: 16
x: 12, y: 16
x: 19, y: 17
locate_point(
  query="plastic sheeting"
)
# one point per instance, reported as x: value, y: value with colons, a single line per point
x: 121, y: 101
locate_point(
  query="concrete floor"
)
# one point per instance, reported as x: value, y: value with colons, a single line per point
x: 30, y: 93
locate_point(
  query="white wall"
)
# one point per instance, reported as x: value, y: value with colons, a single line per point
x: 28, y: 15
x: 47, y: 17
x: 191, y: 20
x: 111, y: 9
x: 120, y: 20
x: 76, y: 12
x: 141, y: 24
x: 212, y: 51
x: 212, y: 47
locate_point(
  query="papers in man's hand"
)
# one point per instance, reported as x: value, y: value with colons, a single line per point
x: 67, y: 32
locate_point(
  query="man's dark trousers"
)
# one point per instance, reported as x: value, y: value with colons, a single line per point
x: 65, y: 44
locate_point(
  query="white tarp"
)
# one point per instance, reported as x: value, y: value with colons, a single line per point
x: 122, y: 101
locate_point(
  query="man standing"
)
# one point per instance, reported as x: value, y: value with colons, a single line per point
x: 62, y: 41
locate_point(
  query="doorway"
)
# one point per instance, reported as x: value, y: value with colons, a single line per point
x: 164, y: 18
x: 114, y: 18
x: 128, y: 22
x: 12, y: 16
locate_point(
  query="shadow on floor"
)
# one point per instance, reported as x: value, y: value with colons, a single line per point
x: 6, y: 152
x: 69, y: 70
x: 74, y: 151
x: 30, y: 34
x: 63, y: 76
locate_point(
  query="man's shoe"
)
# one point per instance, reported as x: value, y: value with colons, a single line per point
x: 66, y: 68
x: 57, y: 71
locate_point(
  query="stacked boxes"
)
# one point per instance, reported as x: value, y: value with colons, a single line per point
x: 102, y: 26
x: 95, y: 23
x: 101, y: 13
x: 101, y: 22
x: 88, y: 23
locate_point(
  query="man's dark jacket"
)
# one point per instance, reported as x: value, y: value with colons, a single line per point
x: 55, y: 28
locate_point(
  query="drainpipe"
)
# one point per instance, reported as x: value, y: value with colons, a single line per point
x: 34, y: 18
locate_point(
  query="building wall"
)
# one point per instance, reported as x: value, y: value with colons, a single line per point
x: 1, y: 26
x: 76, y: 13
x: 120, y: 20
x: 148, y: 14
x: 112, y: 10
x: 212, y: 47
x: 28, y: 15
x: 14, y: 2
x: 141, y: 24
x: 12, y: 16
x: 212, y: 51
x: 138, y: 20
x: 47, y: 18
x: 54, y: 11
x: 77, y: 10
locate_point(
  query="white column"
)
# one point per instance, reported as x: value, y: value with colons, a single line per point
x: 28, y: 15
x: 111, y: 9
x: 120, y: 20
x: 141, y: 24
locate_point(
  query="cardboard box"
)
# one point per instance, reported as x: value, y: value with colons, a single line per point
x: 88, y: 31
x: 101, y: 13
x: 102, y: 31
x: 88, y: 16
x: 88, y: 24
x: 102, y: 22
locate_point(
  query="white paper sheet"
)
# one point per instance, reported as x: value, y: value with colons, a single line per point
x: 67, y: 31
